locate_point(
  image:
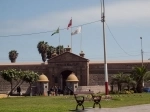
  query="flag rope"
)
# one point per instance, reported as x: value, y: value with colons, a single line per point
x: 46, y: 31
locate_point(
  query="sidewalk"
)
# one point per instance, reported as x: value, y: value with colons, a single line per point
x: 137, y: 108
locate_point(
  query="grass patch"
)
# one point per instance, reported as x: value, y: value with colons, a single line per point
x: 66, y: 103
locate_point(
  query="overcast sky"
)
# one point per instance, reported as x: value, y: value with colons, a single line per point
x: 126, y: 22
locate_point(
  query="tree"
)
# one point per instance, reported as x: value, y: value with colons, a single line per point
x: 43, y: 48
x: 30, y: 77
x: 147, y: 76
x: 117, y: 79
x: 138, y: 74
x: 129, y: 81
x: 122, y: 79
x: 59, y: 49
x: 13, y: 56
x: 50, y: 51
x: 9, y: 75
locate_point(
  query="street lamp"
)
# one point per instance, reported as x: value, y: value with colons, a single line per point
x: 141, y: 50
x: 142, y: 55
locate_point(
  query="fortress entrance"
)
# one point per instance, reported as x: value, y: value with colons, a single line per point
x: 64, y: 76
x: 61, y: 66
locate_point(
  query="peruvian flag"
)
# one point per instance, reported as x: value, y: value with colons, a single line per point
x: 70, y: 24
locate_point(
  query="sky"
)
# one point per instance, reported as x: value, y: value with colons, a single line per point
x: 24, y: 23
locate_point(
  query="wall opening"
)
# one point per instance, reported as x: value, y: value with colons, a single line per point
x: 65, y: 74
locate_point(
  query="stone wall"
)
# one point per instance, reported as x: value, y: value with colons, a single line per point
x: 5, y: 86
x: 95, y: 88
x: 96, y: 72
x: 97, y: 76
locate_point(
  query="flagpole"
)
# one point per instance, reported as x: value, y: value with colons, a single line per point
x: 71, y: 38
x: 70, y: 25
x: 81, y: 40
x: 59, y: 42
x: 71, y: 35
x: 104, y: 43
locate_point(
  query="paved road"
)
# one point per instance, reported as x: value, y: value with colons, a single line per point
x: 137, y: 108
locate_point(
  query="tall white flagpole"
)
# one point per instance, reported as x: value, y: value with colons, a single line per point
x: 104, y: 43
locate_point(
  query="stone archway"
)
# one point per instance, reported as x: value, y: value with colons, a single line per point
x: 64, y: 75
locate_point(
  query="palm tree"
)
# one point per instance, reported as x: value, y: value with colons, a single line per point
x: 59, y: 49
x: 147, y: 76
x: 43, y: 48
x: 50, y: 51
x: 130, y: 82
x: 118, y: 79
x: 13, y: 56
x: 138, y: 75
x: 125, y: 80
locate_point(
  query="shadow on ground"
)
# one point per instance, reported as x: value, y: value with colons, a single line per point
x: 78, y: 110
x: 90, y: 109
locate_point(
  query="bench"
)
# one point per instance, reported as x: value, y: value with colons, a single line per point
x: 96, y: 99
x: 80, y: 99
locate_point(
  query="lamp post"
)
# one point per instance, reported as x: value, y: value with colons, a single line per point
x: 142, y: 55
x: 141, y: 51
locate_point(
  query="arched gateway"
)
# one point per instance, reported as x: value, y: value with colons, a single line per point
x: 63, y: 78
x: 61, y: 66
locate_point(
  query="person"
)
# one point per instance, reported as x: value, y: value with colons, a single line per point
x: 56, y: 90
x: 53, y: 91
x: 59, y: 91
x: 48, y: 92
x: 19, y: 90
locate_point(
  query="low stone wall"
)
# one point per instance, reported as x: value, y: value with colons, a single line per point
x: 96, y: 89
x: 3, y: 95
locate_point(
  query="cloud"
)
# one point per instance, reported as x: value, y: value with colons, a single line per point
x: 117, y: 13
x: 127, y: 12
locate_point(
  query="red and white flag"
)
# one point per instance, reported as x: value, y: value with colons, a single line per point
x: 70, y: 24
